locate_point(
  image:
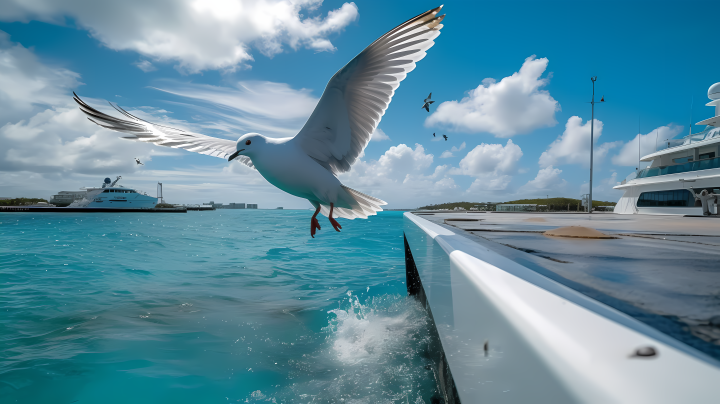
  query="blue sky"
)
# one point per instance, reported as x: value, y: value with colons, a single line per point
x: 199, y: 66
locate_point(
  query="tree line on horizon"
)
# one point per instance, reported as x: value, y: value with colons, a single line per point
x: 20, y: 201
x: 563, y: 204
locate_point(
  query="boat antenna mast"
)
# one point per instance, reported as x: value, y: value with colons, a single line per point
x: 116, y: 181
x: 692, y: 101
x: 592, y: 140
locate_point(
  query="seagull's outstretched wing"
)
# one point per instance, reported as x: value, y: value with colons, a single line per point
x: 145, y: 131
x: 357, y: 96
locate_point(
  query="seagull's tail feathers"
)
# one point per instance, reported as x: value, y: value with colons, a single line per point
x: 362, y: 205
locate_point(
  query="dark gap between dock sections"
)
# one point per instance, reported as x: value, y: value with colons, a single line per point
x: 441, y: 370
x: 463, y: 220
x: 672, y: 241
x: 528, y: 250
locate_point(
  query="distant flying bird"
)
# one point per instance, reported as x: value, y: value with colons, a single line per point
x: 433, y: 134
x: 445, y: 137
x: 336, y: 133
x: 137, y: 160
x: 427, y: 102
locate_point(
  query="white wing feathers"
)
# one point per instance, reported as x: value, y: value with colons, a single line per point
x: 357, y: 96
x: 145, y: 131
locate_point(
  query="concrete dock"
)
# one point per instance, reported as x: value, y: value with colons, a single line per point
x: 663, y: 270
x: 523, y: 316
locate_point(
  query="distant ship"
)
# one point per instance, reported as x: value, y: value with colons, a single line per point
x: 683, y: 177
x: 111, y: 195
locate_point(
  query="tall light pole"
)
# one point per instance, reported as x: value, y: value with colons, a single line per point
x: 592, y: 140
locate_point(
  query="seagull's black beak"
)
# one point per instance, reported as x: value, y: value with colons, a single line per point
x: 234, y: 155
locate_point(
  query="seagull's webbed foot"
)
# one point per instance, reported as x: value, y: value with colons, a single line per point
x: 314, y: 224
x: 334, y: 222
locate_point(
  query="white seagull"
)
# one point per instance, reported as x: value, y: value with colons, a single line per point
x: 307, y: 165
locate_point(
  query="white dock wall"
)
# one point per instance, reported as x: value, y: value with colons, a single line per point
x: 511, y: 335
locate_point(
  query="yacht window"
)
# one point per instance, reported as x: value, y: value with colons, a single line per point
x: 710, y: 155
x: 681, y: 198
x: 682, y: 160
x: 107, y: 190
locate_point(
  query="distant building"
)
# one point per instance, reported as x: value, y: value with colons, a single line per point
x: 65, y: 198
x: 279, y: 207
x: 515, y: 207
x: 252, y: 206
x: 228, y: 206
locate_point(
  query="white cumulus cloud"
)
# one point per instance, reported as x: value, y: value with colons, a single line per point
x: 401, y: 160
x: 482, y: 185
x: 379, y: 135
x: 27, y: 85
x: 195, y: 34
x: 547, y: 179
x: 490, y: 159
x: 517, y: 104
x: 491, y: 164
x: 573, y: 146
x: 145, y: 66
x: 628, y: 155
x: 41, y: 128
x: 449, y: 153
x: 402, y: 176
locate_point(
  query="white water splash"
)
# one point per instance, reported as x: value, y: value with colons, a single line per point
x: 360, y: 333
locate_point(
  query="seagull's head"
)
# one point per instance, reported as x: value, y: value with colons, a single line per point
x: 248, y: 145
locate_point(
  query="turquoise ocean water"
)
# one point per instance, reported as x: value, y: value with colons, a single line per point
x: 208, y: 307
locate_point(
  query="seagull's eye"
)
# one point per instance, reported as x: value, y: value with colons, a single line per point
x: 247, y: 142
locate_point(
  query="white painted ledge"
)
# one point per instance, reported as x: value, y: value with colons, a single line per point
x: 546, y: 342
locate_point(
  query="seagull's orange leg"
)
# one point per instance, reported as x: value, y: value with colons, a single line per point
x: 334, y: 222
x: 314, y: 223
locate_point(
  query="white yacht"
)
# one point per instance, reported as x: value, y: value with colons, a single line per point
x: 683, y: 175
x: 111, y: 195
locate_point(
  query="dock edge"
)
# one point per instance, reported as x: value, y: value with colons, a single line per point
x: 508, y: 334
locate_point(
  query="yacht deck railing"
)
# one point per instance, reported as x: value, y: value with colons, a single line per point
x: 680, y: 168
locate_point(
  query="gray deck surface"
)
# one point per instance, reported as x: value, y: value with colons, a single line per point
x: 662, y: 270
